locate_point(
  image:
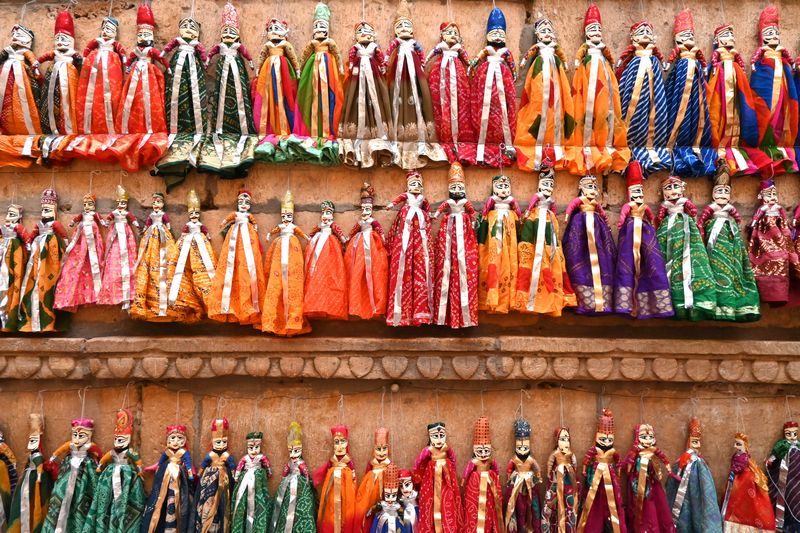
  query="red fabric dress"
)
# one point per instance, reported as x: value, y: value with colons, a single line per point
x: 483, y: 495
x: 456, y: 292
x: 493, y: 105
x: 747, y: 506
x: 430, y: 465
x: 326, y: 281
x: 367, y: 270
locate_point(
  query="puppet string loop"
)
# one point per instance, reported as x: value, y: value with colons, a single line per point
x: 82, y: 397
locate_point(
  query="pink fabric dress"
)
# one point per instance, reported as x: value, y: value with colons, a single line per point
x: 120, y: 258
x: 82, y: 271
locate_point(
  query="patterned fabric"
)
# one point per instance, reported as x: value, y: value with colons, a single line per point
x: 654, y: 514
x: 320, y: 102
x: 772, y: 255
x: 699, y: 512
x: 455, y: 293
x: 282, y: 308
x: 91, y: 86
x: 213, y: 494
x: 367, y: 267
x: 58, y: 104
x: 783, y: 475
x: 596, y: 516
x: 252, y: 503
x: 493, y: 106
x: 191, y: 294
x: 497, y: 254
x: 169, y: 507
x: 747, y: 507
x: 8, y: 478
x: 431, y: 465
x: 34, y: 488
x: 81, y: 273
x: 36, y: 312
x: 151, y: 281
x: 483, y: 498
x: 294, y: 515
x: 13, y: 258
x: 337, y: 499
x: 119, y: 255
x: 74, y: 490
x: 566, y: 500
x: 18, y: 113
x: 325, y: 294
x: 369, y: 495
x: 117, y: 509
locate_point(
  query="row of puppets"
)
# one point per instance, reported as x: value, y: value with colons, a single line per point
x: 401, y: 107
x: 79, y: 489
x: 673, y: 263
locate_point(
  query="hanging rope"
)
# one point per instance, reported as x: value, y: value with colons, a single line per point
x: 40, y: 397
x: 383, y: 401
x: 789, y: 415
x: 82, y: 397
x: 641, y: 405
x: 110, y: 7
x: 220, y: 404
x: 341, y: 408
x: 24, y: 11
x: 561, y: 406
x: 125, y: 395
x: 178, y: 407
x: 740, y: 428
x: 483, y: 410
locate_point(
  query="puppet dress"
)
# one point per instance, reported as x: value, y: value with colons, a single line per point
x: 151, y: 281
x: 367, y: 267
x: 118, y: 502
x: 455, y: 293
x: 294, y: 510
x: 283, y: 299
x: 601, y: 506
x: 772, y: 255
x: 747, y: 506
x: 777, y: 107
x: 647, y: 508
x: 561, y: 497
x: 440, y: 506
x: 169, y: 506
x: 252, y: 504
x: 325, y: 286
x: 497, y: 254
x: 13, y: 258
x: 521, y: 496
x: 36, y: 312
x: 493, y: 106
x: 696, y: 509
x: 8, y: 478
x: 74, y: 489
x: 369, y: 495
x: 483, y: 498
x: 336, y: 483
x: 31, y: 496
x: 81, y: 276
x: 190, y: 273
x: 389, y: 519
x: 58, y: 103
x: 119, y: 262
x: 213, y: 494
x: 20, y: 125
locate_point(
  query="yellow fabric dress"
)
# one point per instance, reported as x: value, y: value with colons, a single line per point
x: 497, y: 254
x: 191, y: 269
x: 152, y: 282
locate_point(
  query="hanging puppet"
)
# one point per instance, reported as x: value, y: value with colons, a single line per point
x: 408, y: 499
x: 691, y: 281
x: 599, y: 141
x: 8, y: 478
x: 239, y: 282
x: 229, y: 151
x: 325, y: 294
x: 410, y: 245
x: 455, y: 295
x: 521, y: 495
x: 365, y: 136
x: 186, y: 102
x: 74, y: 490
x: 169, y: 504
x: 775, y: 94
x: 647, y: 508
x: 295, y: 502
x: 493, y: 101
x: 371, y: 490
x: 737, y: 293
x: 412, y: 108
x: 746, y: 506
x: 388, y: 517
x: 191, y: 268
x: 560, y: 513
x: 497, y: 248
x: 771, y: 250
x: 118, y: 502
x: 336, y: 483
x: 36, y: 312
x: 439, y: 495
x: 32, y: 495
x: 686, y: 91
x: 120, y: 254
x: 82, y: 268
x: 366, y: 262
x: 13, y: 258
x: 542, y: 282
x: 691, y: 493
x: 150, y: 274
x: 641, y: 287
x: 252, y: 504
x: 590, y: 251
x: 483, y: 496
x: 643, y: 99
x: 783, y: 469
x: 213, y: 494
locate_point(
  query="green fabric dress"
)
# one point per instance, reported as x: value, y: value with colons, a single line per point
x: 73, y: 491
x: 252, y: 504
x: 34, y: 488
x: 122, y: 512
x: 299, y: 515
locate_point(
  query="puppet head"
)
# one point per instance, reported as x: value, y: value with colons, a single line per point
x: 437, y: 435
x: 450, y: 33
x: 456, y: 186
x: 49, y: 205
x: 644, y: 436
x: 544, y: 31
x: 254, y: 440
x: 189, y: 29
x: 768, y: 193
x: 391, y: 483
x: 243, y: 201
x: 108, y: 28
x: 672, y: 188
x: 322, y: 22
x: 64, y: 33
x: 294, y: 442
x: 341, y: 443
x: 721, y: 193
x: 635, y: 182
x: 364, y: 33
x: 367, y: 199
x: 21, y: 37
x: 403, y: 25
x: 496, y: 28
x: 123, y: 430
x: 82, y: 431
x: 683, y: 31
x: 121, y: 197
x: 522, y: 438
x: 769, y: 26
x: 604, y: 437
x: 219, y: 435
x: 229, y: 32
x: 724, y: 36
x: 145, y: 24
x: 176, y: 437
x: 157, y: 201
x: 790, y: 430
x: 563, y: 441
x: 588, y: 187
x: 36, y: 425
x: 547, y: 176
x: 642, y: 34
x: 380, y: 449
x: 482, y: 440
x: 414, y: 183
x: 407, y: 485
x: 287, y: 208
x: 501, y: 186
x: 13, y: 214
x: 694, y: 440
x: 277, y: 30
x: 593, y: 25
x: 89, y: 202
x: 741, y: 442
x: 193, y: 206
x: 326, y: 211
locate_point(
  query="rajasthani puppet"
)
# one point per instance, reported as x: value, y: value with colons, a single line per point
x: 319, y: 92
x: 493, y: 101
x: 602, y: 496
x: 366, y: 262
x: 36, y: 312
x: 118, y: 502
x: 641, y: 287
x: 81, y: 271
x: 440, y: 507
x: 8, y: 477
x: 230, y: 150
x: 190, y: 269
x: 150, y: 274
x: 522, y: 503
x: 364, y: 133
x: 483, y: 496
x: 446, y: 67
x: 647, y: 508
x: 32, y: 495
x: 455, y: 293
x: 412, y: 108
x: 408, y: 499
x: 590, y: 251
x: 215, y: 485
x: 120, y: 254
x: 410, y: 245
x: 371, y: 490
x: 746, y: 506
x: 772, y: 253
x: 169, y: 505
x: 13, y: 257
x: 325, y: 294
x: 185, y: 102
x: 783, y: 469
x: 388, y: 515
x: 686, y: 89
x: 19, y: 88
x: 252, y: 504
x: 546, y: 115
x: 644, y: 103
x: 74, y: 490
x: 542, y: 282
x: 599, y: 142
x: 775, y: 93
x: 691, y: 493
x: 336, y: 483
x: 294, y: 510
x: 692, y: 283
x: 283, y: 267
x: 497, y: 248
x: 562, y: 499
x: 737, y: 293
x: 239, y: 282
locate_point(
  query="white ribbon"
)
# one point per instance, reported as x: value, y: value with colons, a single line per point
x: 287, y: 230
x: 9, y: 234
x: 494, y: 76
x: 680, y: 496
x: 550, y: 76
x: 367, y: 86
x: 240, y: 226
x: 318, y: 243
x: 289, y: 485
x: 721, y: 217
x: 75, y: 461
x: 448, y: 79
x: 14, y: 62
x: 229, y: 55
x: 118, y: 233
x: 104, y: 49
x: 414, y: 201
x: 45, y: 230
x: 405, y: 56
x: 455, y: 218
x: 186, y: 53
x: 25, y: 498
x: 365, y: 236
x: 193, y: 237
x: 140, y: 73
x: 247, y: 485
x: 60, y: 76
x: 536, y: 269
x: 158, y: 227
x: 410, y: 511
x: 85, y: 229
x: 675, y: 210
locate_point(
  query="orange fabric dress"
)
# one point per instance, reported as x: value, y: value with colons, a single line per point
x: 19, y: 116
x: 326, y: 281
x: 367, y: 267
x: 370, y: 492
x: 337, y: 497
x: 747, y: 507
x: 283, y: 301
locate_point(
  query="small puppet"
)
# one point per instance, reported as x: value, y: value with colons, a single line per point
x: 119, y: 262
x: 213, y: 496
x: 746, y: 504
x: 440, y: 506
x: 373, y: 485
x: 13, y: 258
x: 521, y: 495
x: 336, y: 484
x: 295, y: 502
x: 325, y: 285
x: 252, y: 503
x: 32, y: 495
x: 483, y: 495
x: 783, y: 469
x: 388, y: 518
x: 647, y: 507
x: 562, y: 497
x: 169, y: 504
x: 408, y: 499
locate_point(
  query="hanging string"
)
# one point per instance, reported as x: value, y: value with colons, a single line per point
x: 178, y: 407
x: 740, y: 428
x: 294, y: 408
x: 520, y: 412
x: 82, y: 397
x: 14, y: 188
x: 122, y: 174
x: 53, y: 178
x: 694, y: 401
x: 789, y: 415
x: 91, y: 178
x: 438, y: 416
x: 24, y: 11
x: 364, y: 10
x: 220, y: 404
x: 722, y: 9
x: 561, y: 406
x: 341, y: 408
x: 125, y: 395
x: 40, y: 397
x: 483, y: 411
x: 110, y: 7
x: 383, y: 400
x: 641, y: 7
x: 641, y: 405
x: 191, y: 11
x: 449, y: 11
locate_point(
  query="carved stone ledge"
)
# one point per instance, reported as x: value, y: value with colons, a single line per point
x: 474, y: 359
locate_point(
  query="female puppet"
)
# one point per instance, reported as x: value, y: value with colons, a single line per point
x: 13, y: 257
x: 169, y: 504
x: 783, y: 469
x: 373, y: 484
x: 388, y: 516
x: 408, y: 499
x: 746, y: 505
x: 366, y: 262
x: 562, y: 499
x: 439, y: 494
x: 325, y: 294
x: 82, y: 269
x: 119, y: 262
x: 497, y: 248
x: 455, y: 293
x: 521, y: 495
x: 641, y: 287
x: 252, y: 504
x: 336, y: 483
x: 410, y: 299
x: 295, y: 502
x: 483, y: 496
x: 590, y: 251
x: 32, y: 494
x: 647, y: 508
x: 213, y: 495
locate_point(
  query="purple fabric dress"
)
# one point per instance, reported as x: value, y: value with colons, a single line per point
x: 655, y: 515
x: 590, y: 253
x: 596, y: 514
x: 640, y: 290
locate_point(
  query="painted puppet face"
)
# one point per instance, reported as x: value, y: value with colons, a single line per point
x: 88, y: 205
x: 522, y: 447
x: 695, y: 443
x: 108, y: 30
x: 158, y: 203
x: 673, y: 190
x: 21, y: 38
x: 771, y: 36
x: 81, y: 436
x: 63, y: 42
x: 326, y: 216
x: 407, y: 487
x: 726, y: 38
x: 243, y: 203
x: 33, y: 442
x: 189, y: 29
x: 769, y: 196
x: 380, y: 452
x: 48, y: 212
x: 229, y: 35
x: 340, y: 445
x: 122, y: 442
x: 564, y: 444
x: 287, y: 216
x: 497, y: 37
x: 457, y: 191
x: 502, y: 187
x: 545, y: 32
x: 482, y: 451
x: 276, y: 31
x: 594, y: 33
x: 721, y: 194
x: 253, y: 447
x: 296, y: 453
x: 219, y: 444
x: 546, y: 186
x: 176, y: 441
x: 321, y: 29
x: 366, y: 211
x: 415, y: 186
x: 194, y: 214
x: 13, y: 215
x: 365, y: 34
x: 790, y: 434
x: 404, y: 29
x: 438, y: 437
x: 589, y: 189
x: 647, y: 437
x: 144, y: 37
x: 636, y: 194
x: 390, y: 495
x: 643, y: 36
x: 685, y: 39
x: 604, y: 440
x: 739, y: 445
x: 122, y: 205
x: 451, y: 35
